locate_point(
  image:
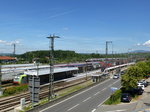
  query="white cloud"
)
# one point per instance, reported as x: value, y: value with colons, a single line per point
x: 138, y: 44
x: 147, y: 43
x: 9, y: 43
x: 2, y: 41
x: 61, y: 14
x: 65, y: 28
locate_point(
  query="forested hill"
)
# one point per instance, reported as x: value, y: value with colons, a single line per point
x: 60, y: 56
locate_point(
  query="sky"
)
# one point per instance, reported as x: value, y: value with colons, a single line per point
x: 82, y: 25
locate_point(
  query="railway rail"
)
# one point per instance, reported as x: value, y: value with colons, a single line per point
x: 9, y: 103
x: 7, y: 85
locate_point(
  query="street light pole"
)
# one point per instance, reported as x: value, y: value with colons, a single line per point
x: 51, y: 63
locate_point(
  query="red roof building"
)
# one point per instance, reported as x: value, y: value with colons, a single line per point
x: 5, y: 59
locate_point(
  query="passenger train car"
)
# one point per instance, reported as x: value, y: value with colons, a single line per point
x: 59, y: 73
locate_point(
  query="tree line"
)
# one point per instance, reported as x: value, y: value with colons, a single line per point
x: 135, y: 73
x: 62, y: 56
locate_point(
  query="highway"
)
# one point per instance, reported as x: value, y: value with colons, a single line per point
x: 86, y: 101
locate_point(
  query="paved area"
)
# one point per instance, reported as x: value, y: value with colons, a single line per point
x: 85, y: 101
x: 117, y: 108
x: 141, y: 105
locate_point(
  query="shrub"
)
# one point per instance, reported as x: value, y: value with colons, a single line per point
x: 13, y: 90
x: 114, y: 98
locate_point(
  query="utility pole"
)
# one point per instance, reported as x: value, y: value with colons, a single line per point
x: 51, y: 63
x: 1, y: 92
x: 129, y: 54
x: 112, y: 53
x: 112, y: 49
x: 14, y: 52
x: 107, y: 42
x: 0, y: 77
x: 86, y: 70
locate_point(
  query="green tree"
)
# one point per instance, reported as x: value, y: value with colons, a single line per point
x: 145, y: 68
x: 130, y: 78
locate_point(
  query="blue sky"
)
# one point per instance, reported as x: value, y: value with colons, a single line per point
x: 83, y: 25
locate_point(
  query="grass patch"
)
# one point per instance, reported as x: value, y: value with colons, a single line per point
x: 136, y: 97
x: 114, y: 98
x: 73, y: 89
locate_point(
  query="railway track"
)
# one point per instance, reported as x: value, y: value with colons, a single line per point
x: 9, y: 103
x: 7, y: 85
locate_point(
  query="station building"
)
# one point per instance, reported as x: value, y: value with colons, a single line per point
x: 7, y: 59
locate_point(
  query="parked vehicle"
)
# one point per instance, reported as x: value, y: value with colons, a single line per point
x: 125, y: 97
x: 141, y: 85
x: 134, y: 91
x: 144, y: 82
x: 116, y: 76
x: 138, y: 91
x: 122, y: 72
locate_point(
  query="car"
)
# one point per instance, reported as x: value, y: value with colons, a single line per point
x: 133, y: 91
x: 144, y: 82
x: 116, y: 76
x: 125, y: 97
x: 138, y: 91
x: 140, y: 84
x: 122, y: 72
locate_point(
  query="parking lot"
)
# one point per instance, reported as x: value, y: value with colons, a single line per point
x: 142, y: 104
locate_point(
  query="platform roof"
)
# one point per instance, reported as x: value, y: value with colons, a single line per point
x: 17, y: 65
x: 47, y: 71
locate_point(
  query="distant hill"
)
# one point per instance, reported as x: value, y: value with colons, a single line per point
x: 140, y: 51
x: 6, y: 54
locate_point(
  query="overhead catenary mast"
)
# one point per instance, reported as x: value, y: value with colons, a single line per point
x: 14, y: 52
x: 107, y: 42
x: 51, y: 63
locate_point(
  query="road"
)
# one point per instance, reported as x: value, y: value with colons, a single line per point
x: 86, y: 101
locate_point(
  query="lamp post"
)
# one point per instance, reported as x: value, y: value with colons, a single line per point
x: 51, y: 63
